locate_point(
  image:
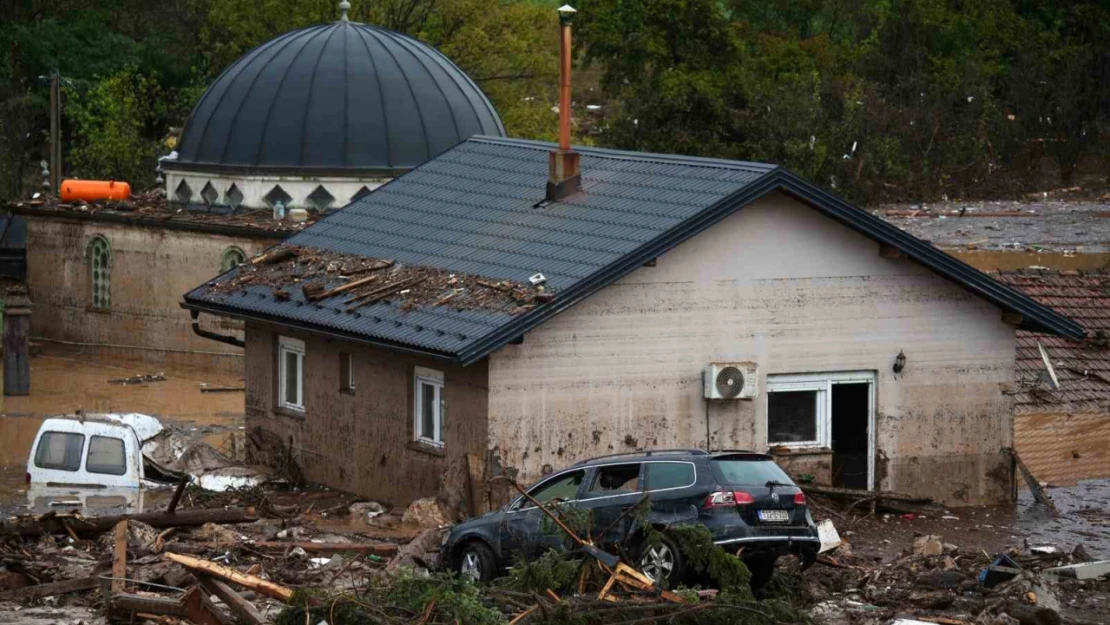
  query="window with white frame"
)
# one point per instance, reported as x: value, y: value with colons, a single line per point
x: 799, y: 407
x: 291, y: 373
x: 428, y: 407
x: 346, y: 372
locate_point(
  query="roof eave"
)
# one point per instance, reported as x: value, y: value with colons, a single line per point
x: 237, y: 313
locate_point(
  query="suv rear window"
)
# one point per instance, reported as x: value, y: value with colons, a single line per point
x: 60, y: 450
x: 738, y: 471
x: 106, y: 455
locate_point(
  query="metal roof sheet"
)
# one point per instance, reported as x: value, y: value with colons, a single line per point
x: 479, y: 209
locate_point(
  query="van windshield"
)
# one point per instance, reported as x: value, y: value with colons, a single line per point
x: 60, y: 450
x: 737, y: 471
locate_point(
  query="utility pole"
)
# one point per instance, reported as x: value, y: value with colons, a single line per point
x: 55, y: 131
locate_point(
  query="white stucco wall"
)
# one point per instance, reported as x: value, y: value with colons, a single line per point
x: 780, y: 284
x: 255, y: 187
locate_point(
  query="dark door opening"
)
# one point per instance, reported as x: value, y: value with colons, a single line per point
x: 850, y: 412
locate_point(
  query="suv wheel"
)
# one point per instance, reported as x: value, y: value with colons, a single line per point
x: 662, y: 562
x: 476, y: 561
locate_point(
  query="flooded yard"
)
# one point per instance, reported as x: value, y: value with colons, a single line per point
x: 63, y: 382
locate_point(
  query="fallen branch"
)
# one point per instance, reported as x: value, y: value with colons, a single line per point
x: 257, y: 584
x: 273, y: 256
x: 343, y: 287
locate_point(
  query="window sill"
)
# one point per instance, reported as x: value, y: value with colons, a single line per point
x: 289, y: 412
x: 427, y: 448
x: 99, y: 311
x: 807, y: 450
x: 347, y: 391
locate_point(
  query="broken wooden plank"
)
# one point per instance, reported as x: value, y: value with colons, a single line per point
x: 51, y: 589
x: 190, y: 606
x: 833, y: 491
x: 242, y: 608
x: 258, y: 584
x: 354, y: 284
x: 273, y: 256
x: 378, y: 549
x: 185, y: 479
x: 119, y: 561
x: 1040, y: 495
x: 55, y: 524
x: 223, y: 389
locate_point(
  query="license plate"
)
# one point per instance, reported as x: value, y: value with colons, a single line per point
x: 774, y: 516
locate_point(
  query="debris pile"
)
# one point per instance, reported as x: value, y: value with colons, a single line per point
x: 152, y: 205
x: 348, y: 282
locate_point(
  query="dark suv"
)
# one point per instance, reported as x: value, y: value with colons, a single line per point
x: 743, y: 498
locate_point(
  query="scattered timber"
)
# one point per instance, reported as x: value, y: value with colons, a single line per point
x: 51, y: 589
x: 56, y: 524
x: 270, y: 589
x: 191, y: 607
x: 242, y: 608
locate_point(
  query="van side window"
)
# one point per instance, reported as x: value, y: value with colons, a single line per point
x: 106, y: 455
x: 661, y: 475
x: 621, y: 479
x: 60, y: 450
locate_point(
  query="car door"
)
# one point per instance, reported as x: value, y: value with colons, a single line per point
x: 523, y: 529
x: 612, y: 492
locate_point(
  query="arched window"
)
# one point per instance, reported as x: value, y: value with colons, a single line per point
x: 232, y: 258
x: 100, y: 272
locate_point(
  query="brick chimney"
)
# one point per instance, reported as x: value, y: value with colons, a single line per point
x: 563, y: 176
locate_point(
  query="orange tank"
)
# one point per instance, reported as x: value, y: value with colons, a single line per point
x: 93, y: 190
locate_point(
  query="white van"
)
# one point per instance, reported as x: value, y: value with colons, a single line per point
x: 90, y: 461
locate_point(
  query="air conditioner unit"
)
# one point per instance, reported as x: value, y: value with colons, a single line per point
x: 731, y: 380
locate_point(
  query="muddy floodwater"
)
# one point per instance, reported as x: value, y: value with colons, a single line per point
x: 62, y: 382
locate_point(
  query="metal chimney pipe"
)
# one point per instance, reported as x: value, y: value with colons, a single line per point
x: 563, y: 177
x: 566, y: 16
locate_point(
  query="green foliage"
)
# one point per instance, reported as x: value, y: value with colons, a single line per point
x: 112, y: 127
x: 727, y: 572
x: 906, y: 99
x: 556, y: 570
x: 396, y: 599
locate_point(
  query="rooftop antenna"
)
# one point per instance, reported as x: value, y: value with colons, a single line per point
x: 344, y: 6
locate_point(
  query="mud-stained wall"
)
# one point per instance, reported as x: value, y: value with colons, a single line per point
x: 780, y: 284
x: 1062, y: 448
x: 151, y: 269
x: 362, y: 442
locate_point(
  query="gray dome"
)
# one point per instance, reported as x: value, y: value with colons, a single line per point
x: 343, y: 97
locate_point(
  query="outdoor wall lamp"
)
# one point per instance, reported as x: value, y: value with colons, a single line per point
x: 566, y: 13
x: 899, y: 362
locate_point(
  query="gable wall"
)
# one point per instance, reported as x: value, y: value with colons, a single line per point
x: 780, y: 284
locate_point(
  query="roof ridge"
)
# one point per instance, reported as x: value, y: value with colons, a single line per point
x: 629, y: 155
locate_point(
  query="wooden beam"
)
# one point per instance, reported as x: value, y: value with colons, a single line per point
x: 119, y: 562
x: 1012, y: 318
x: 191, y: 606
x: 51, y: 589
x: 889, y: 251
x: 258, y: 584
x: 242, y: 608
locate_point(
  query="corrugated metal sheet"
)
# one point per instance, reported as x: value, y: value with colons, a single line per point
x: 479, y: 209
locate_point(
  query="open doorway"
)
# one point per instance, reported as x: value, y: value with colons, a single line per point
x: 851, y: 411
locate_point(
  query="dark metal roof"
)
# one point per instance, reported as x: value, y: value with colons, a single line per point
x: 342, y: 97
x: 477, y: 209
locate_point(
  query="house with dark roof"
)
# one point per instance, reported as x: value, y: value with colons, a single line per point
x: 1062, y: 392
x: 504, y: 309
